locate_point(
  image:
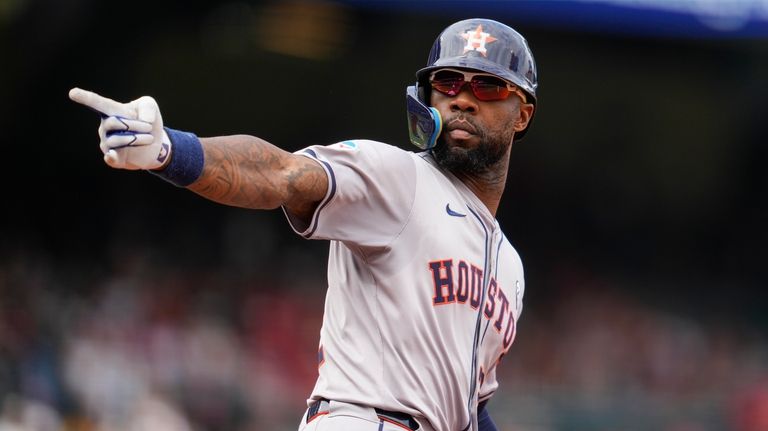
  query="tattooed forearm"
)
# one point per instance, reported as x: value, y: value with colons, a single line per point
x: 248, y: 172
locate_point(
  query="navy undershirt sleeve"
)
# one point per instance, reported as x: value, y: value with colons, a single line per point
x: 484, y: 421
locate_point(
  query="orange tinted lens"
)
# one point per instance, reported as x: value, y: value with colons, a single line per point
x: 448, y: 82
x: 488, y: 88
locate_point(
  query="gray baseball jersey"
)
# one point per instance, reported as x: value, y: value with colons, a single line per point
x: 424, y: 290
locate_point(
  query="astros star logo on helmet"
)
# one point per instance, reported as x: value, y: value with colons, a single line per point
x: 476, y: 40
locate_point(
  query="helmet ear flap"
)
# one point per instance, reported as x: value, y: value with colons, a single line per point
x: 424, y: 122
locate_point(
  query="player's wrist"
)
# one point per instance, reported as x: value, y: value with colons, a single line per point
x: 185, y: 161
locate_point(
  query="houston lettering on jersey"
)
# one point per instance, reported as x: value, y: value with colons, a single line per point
x: 463, y: 284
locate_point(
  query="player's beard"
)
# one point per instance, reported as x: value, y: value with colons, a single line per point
x: 476, y: 160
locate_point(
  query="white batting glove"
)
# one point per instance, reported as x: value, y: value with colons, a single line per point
x: 131, y: 134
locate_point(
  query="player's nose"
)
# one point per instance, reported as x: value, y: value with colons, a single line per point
x: 464, y: 101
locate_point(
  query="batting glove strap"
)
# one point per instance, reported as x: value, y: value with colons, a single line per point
x: 187, y: 159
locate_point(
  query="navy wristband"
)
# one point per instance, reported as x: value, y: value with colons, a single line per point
x: 187, y: 159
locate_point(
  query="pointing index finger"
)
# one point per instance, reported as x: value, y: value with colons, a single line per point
x: 101, y: 104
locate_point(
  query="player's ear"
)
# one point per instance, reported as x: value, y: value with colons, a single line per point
x: 524, y: 116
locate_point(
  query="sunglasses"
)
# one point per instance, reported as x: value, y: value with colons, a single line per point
x: 485, y: 87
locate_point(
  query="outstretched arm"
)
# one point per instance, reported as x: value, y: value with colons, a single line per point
x: 240, y: 170
x: 249, y: 172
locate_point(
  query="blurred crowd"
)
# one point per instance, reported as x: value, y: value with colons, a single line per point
x: 140, y: 346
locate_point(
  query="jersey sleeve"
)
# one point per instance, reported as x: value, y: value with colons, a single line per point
x: 370, y: 193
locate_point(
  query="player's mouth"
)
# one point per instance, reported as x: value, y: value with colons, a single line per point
x: 460, y: 129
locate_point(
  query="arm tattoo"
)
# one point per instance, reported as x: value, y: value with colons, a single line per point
x: 251, y: 173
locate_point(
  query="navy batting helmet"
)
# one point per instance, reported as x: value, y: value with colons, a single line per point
x: 479, y: 44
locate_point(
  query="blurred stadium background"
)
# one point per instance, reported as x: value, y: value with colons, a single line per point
x: 638, y: 204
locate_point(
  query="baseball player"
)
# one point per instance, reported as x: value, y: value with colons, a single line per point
x: 424, y: 290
